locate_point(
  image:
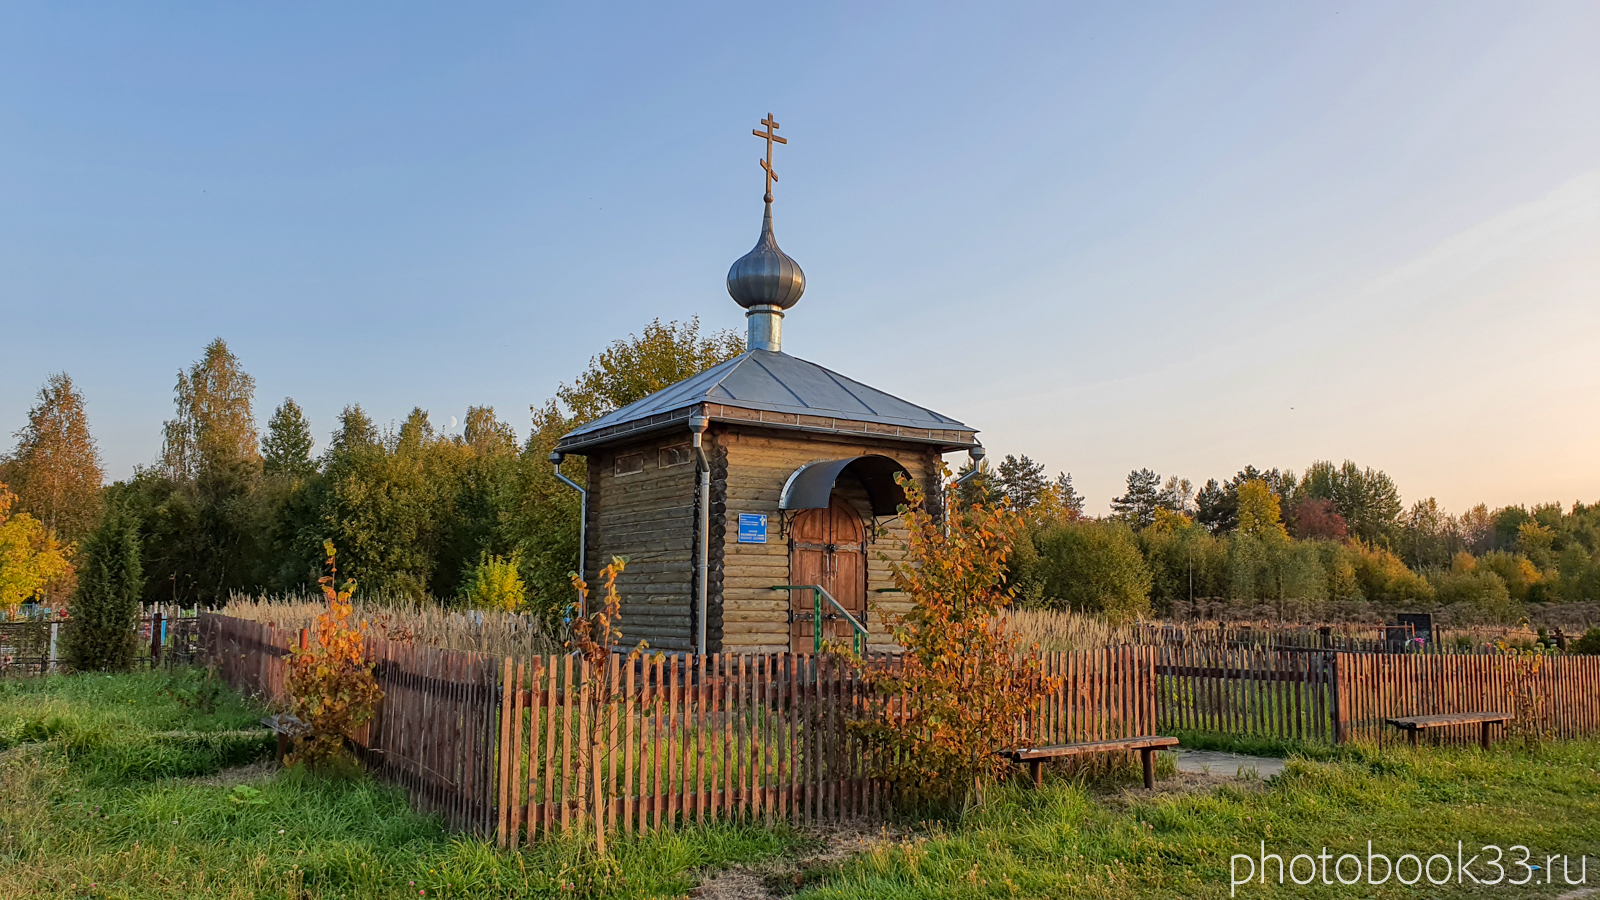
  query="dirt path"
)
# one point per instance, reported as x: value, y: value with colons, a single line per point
x: 781, y: 877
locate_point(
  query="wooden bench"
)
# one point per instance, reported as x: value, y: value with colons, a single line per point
x: 1415, y: 724
x: 1147, y: 745
x: 286, y: 727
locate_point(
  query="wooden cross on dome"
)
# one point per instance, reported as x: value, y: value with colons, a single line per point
x: 772, y: 138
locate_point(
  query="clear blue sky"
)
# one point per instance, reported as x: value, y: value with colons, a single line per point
x: 1182, y: 236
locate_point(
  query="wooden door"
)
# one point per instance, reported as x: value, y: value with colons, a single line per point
x: 827, y: 547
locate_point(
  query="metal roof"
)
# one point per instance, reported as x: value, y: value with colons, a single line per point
x: 773, y: 381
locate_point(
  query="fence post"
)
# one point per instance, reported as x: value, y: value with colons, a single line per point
x: 1336, y: 707
x: 155, y: 637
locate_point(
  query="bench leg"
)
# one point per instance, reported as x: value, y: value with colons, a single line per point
x: 283, y: 746
x: 1485, y: 739
x: 1036, y: 769
x: 1149, y: 760
x: 1413, y: 732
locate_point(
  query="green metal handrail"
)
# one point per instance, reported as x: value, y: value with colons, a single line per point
x: 859, y: 631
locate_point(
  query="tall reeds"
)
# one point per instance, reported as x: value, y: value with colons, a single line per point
x: 478, y: 630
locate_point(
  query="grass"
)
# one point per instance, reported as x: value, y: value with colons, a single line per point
x: 129, y: 787
x: 109, y: 788
x: 1072, y: 840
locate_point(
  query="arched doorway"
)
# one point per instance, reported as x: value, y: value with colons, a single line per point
x: 827, y: 547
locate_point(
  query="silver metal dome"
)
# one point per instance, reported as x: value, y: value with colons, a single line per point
x: 766, y: 276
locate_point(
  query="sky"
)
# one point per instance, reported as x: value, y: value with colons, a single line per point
x: 1183, y: 236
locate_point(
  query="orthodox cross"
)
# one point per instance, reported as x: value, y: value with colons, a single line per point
x: 771, y: 139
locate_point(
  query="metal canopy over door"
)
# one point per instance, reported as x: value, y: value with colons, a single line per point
x: 827, y: 547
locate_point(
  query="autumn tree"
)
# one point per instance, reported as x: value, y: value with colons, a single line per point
x: 330, y: 683
x: 286, y: 450
x: 205, y: 525
x: 214, y: 426
x: 485, y: 433
x: 1177, y: 496
x: 971, y: 685
x: 55, y: 469
x: 105, y: 607
x: 1366, y: 499
x: 1313, y: 519
x: 31, y: 557
x: 1259, y: 516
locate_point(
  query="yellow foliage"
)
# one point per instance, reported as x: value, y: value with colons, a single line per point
x: 969, y: 683
x: 1168, y: 521
x: 330, y: 683
x: 495, y: 584
x: 30, y: 556
x: 1259, y: 515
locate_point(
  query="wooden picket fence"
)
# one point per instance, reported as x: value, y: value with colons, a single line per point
x: 516, y: 748
x: 1338, y: 697
x: 434, y: 732
x: 1562, y: 696
x: 249, y: 656
x: 658, y: 741
x: 1248, y: 691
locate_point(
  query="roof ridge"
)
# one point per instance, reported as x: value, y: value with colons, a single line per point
x: 774, y: 376
x: 836, y: 376
x: 780, y: 383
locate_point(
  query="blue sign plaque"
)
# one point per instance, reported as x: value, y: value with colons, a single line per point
x: 752, y: 528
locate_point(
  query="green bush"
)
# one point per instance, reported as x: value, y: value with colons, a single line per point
x: 1095, y: 566
x: 495, y: 584
x: 1481, y: 590
x: 104, y: 612
x: 1588, y: 644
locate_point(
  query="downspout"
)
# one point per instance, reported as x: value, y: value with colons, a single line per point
x: 697, y: 425
x: 583, y: 520
x: 976, y: 454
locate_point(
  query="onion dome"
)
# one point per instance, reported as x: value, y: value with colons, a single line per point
x: 766, y: 276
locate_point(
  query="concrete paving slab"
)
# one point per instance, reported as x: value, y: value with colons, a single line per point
x: 1233, y: 765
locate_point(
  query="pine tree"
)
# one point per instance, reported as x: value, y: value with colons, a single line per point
x: 287, y: 447
x: 1022, y: 481
x: 105, y: 608
x: 55, y: 470
x: 1070, y: 499
x: 1138, y: 506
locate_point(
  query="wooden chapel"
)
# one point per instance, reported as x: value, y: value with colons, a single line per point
x: 761, y: 472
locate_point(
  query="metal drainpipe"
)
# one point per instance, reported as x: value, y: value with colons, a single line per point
x: 697, y: 425
x: 976, y: 454
x: 583, y: 519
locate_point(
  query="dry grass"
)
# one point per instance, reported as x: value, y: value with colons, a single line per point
x: 1052, y: 630
x: 1056, y: 630
x: 479, y: 630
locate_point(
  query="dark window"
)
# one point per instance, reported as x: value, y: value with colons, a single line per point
x: 676, y: 456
